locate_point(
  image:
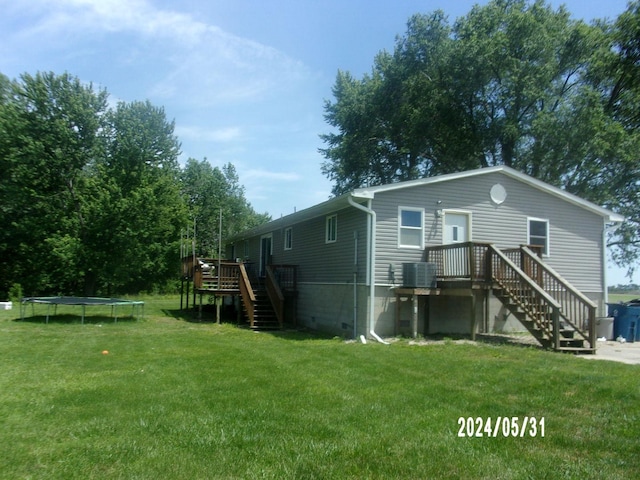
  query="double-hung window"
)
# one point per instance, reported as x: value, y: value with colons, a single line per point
x: 410, y: 227
x: 538, y: 233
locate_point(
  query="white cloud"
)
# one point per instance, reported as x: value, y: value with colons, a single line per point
x: 115, y: 16
x: 194, y: 62
x: 221, y: 135
x: 254, y: 174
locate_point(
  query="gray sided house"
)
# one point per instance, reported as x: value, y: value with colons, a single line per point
x: 488, y: 250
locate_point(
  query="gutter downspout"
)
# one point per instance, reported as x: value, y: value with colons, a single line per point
x: 371, y: 263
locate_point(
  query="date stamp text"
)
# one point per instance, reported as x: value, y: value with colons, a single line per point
x: 514, y: 427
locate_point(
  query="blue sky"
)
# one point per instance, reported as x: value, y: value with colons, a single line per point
x: 244, y: 80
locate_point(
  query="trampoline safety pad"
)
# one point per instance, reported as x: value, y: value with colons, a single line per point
x: 136, y: 305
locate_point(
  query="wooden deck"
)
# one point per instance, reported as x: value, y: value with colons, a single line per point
x: 267, y: 302
x: 556, y: 313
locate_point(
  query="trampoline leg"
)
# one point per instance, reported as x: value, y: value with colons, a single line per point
x: 82, y: 315
x: 48, y: 308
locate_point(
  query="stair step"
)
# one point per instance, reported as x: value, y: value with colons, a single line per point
x: 575, y: 343
x: 264, y: 318
x: 568, y: 334
x: 577, y: 350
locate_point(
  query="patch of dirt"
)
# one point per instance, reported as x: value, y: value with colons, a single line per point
x: 524, y: 340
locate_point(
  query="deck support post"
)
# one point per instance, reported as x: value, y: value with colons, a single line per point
x: 487, y: 311
x: 414, y: 316
x: 398, y: 308
x: 473, y: 316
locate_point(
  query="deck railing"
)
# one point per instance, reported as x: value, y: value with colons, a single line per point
x: 286, y: 276
x: 577, y: 310
x: 280, y: 279
x: 275, y: 294
x: 213, y: 274
x: 539, y: 305
x: 227, y: 275
x: 459, y: 260
x: 523, y: 273
x: 187, y: 266
x: 247, y: 294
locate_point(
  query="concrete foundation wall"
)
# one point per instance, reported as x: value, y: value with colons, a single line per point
x: 330, y: 308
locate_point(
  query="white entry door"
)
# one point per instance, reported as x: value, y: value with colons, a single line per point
x: 456, y: 229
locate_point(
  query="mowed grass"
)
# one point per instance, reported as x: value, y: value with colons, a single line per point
x: 176, y: 399
x: 622, y: 297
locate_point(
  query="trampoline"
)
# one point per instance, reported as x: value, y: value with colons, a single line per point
x: 136, y: 306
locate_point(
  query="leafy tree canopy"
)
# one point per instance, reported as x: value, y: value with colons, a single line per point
x: 511, y: 83
x: 92, y: 198
x: 211, y: 192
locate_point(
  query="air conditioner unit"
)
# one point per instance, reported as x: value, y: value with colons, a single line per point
x: 419, y: 275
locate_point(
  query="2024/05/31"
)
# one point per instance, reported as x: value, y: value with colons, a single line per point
x: 500, y: 426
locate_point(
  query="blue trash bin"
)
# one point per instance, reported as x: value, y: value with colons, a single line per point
x: 626, y: 320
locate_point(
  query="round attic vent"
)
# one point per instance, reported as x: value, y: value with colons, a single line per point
x: 498, y: 194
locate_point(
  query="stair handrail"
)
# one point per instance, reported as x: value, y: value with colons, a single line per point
x: 247, y: 294
x: 275, y: 294
x: 523, y: 277
x: 568, y: 305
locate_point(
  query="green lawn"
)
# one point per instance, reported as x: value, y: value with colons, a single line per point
x: 185, y: 400
x: 622, y: 297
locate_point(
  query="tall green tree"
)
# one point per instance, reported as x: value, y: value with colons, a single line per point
x: 92, y: 198
x: 49, y: 133
x: 210, y: 192
x: 139, y: 208
x: 513, y: 82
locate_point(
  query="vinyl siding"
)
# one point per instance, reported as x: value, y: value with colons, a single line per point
x: 318, y: 261
x: 575, y: 233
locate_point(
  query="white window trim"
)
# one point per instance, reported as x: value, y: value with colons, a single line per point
x: 547, y: 248
x: 327, y: 231
x: 421, y: 228
x: 288, y: 234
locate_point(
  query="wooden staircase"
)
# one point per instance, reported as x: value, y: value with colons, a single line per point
x: 558, y: 315
x: 538, y: 319
x: 264, y: 315
x: 552, y: 310
x: 263, y: 299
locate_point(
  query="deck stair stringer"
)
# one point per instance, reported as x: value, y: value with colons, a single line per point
x: 535, y: 308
